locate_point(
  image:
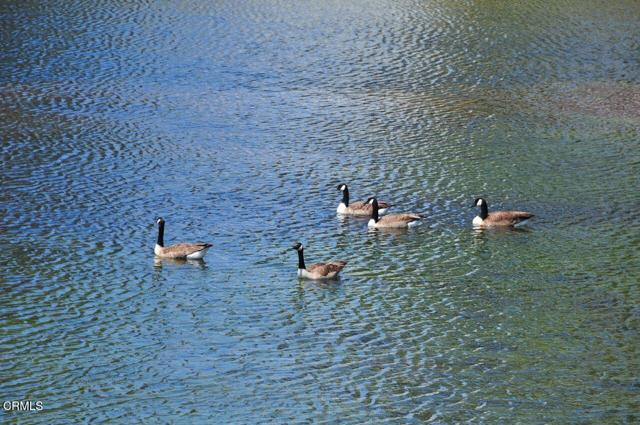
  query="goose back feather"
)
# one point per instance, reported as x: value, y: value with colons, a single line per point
x: 191, y: 251
x: 397, y: 220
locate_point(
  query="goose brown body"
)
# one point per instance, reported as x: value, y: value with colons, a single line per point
x: 189, y: 251
x: 358, y: 208
x: 183, y: 250
x: 397, y: 220
x: 317, y: 271
x: 362, y: 209
x: 498, y: 218
x: 324, y: 270
x: 391, y: 221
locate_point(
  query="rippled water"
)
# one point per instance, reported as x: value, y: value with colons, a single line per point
x: 236, y: 121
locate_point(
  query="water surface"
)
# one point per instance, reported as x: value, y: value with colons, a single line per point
x: 235, y: 122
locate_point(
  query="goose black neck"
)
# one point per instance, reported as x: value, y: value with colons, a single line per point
x: 160, y: 241
x: 301, y: 259
x: 374, y: 212
x: 484, y: 210
x: 345, y: 196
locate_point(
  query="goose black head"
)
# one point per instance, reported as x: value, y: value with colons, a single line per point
x: 159, y: 220
x: 297, y: 246
x: 342, y: 187
x: 479, y: 202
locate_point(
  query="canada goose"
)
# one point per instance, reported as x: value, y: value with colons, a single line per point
x: 190, y: 251
x: 319, y: 270
x: 358, y: 208
x: 392, y: 220
x: 498, y: 218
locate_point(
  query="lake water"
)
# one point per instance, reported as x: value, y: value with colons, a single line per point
x: 235, y: 121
